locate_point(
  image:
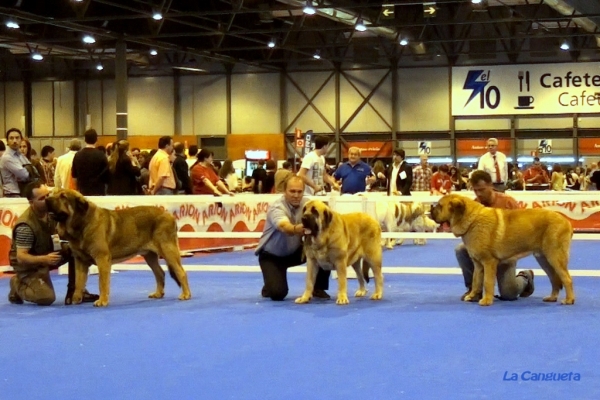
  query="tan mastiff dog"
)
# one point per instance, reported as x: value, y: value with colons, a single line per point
x: 103, y: 237
x: 335, y: 241
x: 493, y: 235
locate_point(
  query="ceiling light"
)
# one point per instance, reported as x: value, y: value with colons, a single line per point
x: 565, y: 45
x: 37, y: 56
x: 157, y: 16
x: 193, y: 69
x: 89, y: 39
x: 271, y: 43
x: 12, y: 24
x: 309, y: 9
x: 153, y: 52
x: 360, y: 26
x: 317, y: 55
x: 475, y: 1
x: 403, y: 42
x: 99, y: 67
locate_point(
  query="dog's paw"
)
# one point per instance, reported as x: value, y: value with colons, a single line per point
x: 361, y: 293
x: 302, y: 300
x: 156, y: 295
x: 101, y: 303
x: 77, y: 298
x: 377, y: 296
x: 342, y: 300
x: 550, y: 299
x: 486, y: 301
x: 185, y: 296
x: 568, y: 302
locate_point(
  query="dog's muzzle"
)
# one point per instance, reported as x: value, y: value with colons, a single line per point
x: 434, y: 211
x: 310, y: 222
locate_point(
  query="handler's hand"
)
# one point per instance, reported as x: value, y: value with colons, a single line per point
x: 52, y: 259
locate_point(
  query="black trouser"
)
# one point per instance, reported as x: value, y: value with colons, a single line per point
x: 274, y: 270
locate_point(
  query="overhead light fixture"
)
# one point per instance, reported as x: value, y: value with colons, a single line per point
x: 78, y: 1
x: 309, y: 9
x: 89, y: 39
x: 157, y: 16
x: 11, y: 24
x: 37, y: 56
x: 153, y: 52
x: 565, y: 45
x: 476, y: 1
x: 317, y: 55
x: 193, y: 69
x: 403, y: 41
x: 99, y: 67
x: 271, y: 43
x: 360, y: 26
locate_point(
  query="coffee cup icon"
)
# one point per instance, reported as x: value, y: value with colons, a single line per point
x: 525, y: 101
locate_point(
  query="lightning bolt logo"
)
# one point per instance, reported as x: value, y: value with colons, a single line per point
x: 471, y: 83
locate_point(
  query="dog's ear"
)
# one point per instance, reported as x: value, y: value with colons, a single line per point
x: 327, y: 217
x: 457, y: 207
x: 81, y: 205
x: 418, y: 209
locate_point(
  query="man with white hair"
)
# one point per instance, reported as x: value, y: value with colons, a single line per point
x: 64, y: 163
x: 354, y: 174
x: 494, y: 163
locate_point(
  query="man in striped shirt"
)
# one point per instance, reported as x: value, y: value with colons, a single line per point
x: 35, y: 251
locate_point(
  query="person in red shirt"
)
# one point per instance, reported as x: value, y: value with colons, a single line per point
x: 536, y: 174
x: 204, y: 177
x: 441, y: 183
x: 510, y: 285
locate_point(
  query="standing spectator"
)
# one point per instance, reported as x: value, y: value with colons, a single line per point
x: 312, y: 170
x: 380, y: 184
x: 204, y: 178
x: 558, y: 178
x: 48, y: 164
x: 269, y: 183
x: 90, y: 167
x: 124, y: 169
x: 64, y: 164
x: 192, y: 156
x: 441, y: 183
x: 259, y: 175
x: 457, y: 179
x: 594, y: 178
x: 31, y: 155
x: 536, y: 175
x: 227, y: 175
x: 494, y: 163
x: 181, y: 168
x: 2, y: 148
x: 281, y: 175
x: 399, y: 175
x: 162, y: 179
x: 135, y: 152
x: 422, y: 176
x: 354, y: 173
x: 15, y: 168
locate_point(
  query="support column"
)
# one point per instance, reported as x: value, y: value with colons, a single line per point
x: 228, y: 70
x: 76, y: 107
x: 395, y: 102
x: 283, y: 105
x: 338, y: 125
x: 28, y: 106
x: 121, y: 88
x: 177, y: 101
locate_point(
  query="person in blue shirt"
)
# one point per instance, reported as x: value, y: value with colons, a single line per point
x: 355, y: 174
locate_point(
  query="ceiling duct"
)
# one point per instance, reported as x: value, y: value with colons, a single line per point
x: 574, y: 8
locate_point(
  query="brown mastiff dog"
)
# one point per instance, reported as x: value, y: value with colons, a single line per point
x: 493, y: 235
x: 335, y: 241
x: 103, y: 237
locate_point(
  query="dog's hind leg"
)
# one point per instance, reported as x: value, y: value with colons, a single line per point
x: 374, y: 260
x: 559, y: 260
x: 170, y: 252
x: 555, y: 280
x: 362, y: 289
x: 152, y: 261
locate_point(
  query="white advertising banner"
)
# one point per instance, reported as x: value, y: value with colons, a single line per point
x: 526, y: 89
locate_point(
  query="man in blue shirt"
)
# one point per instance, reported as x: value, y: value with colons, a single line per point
x: 354, y: 174
x: 280, y: 246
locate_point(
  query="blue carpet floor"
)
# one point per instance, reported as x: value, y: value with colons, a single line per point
x: 420, y: 342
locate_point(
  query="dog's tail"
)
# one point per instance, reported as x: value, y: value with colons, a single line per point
x: 365, y: 270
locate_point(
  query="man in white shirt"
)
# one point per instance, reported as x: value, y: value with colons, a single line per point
x: 494, y: 163
x: 313, y: 171
x: 64, y: 164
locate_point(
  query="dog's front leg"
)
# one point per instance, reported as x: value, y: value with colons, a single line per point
x: 104, y: 263
x: 312, y: 268
x: 342, y: 296
x: 476, y: 283
x: 81, y: 275
x: 489, y: 281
